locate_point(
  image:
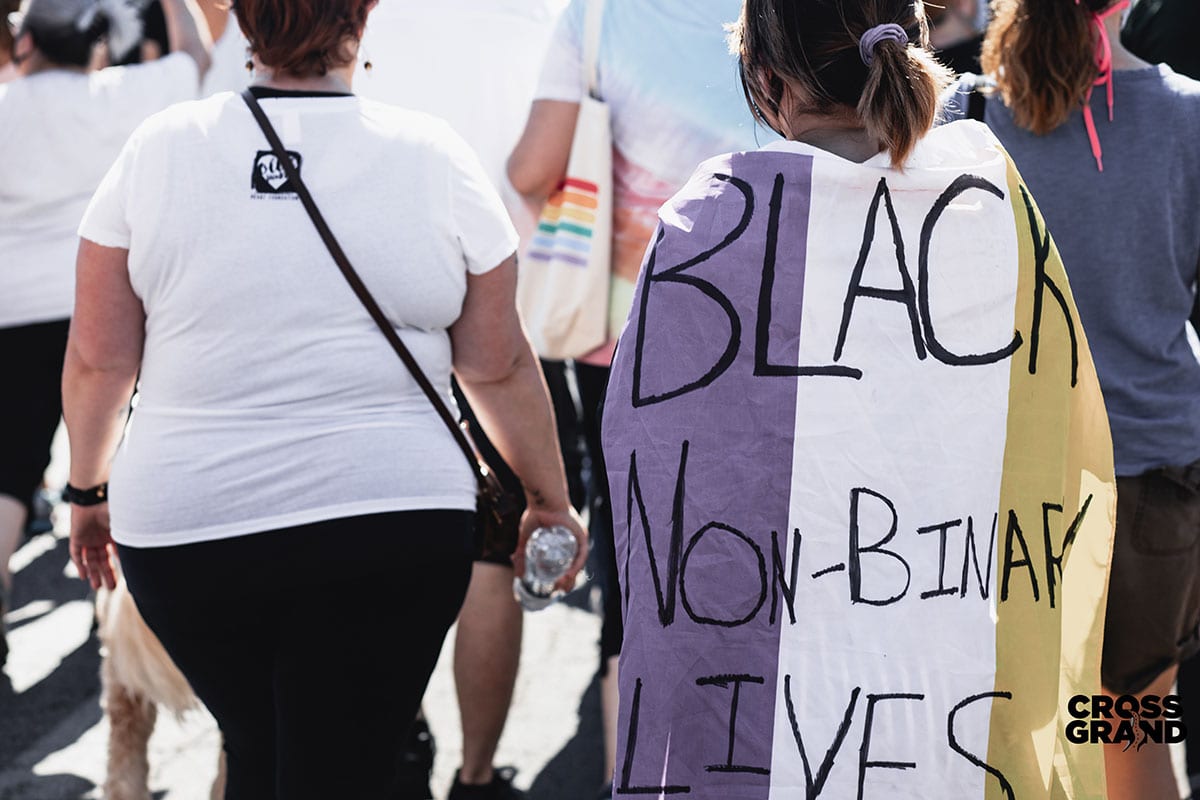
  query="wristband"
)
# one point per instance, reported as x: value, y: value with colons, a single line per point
x: 86, y: 497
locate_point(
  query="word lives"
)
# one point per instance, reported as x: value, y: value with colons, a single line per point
x: 819, y: 756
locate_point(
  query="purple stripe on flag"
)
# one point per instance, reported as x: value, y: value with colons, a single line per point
x: 698, y: 440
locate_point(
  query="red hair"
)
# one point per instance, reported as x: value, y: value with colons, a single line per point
x: 302, y: 37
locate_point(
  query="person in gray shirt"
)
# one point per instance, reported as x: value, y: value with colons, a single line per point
x: 1107, y: 143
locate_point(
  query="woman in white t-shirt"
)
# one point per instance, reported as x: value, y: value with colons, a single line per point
x: 63, y: 126
x: 292, y: 516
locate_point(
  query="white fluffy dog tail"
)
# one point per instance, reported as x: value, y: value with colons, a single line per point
x: 137, y: 659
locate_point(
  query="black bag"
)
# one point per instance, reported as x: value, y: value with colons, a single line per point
x: 498, y: 511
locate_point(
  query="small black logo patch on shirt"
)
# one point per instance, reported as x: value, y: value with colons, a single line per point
x: 268, y: 179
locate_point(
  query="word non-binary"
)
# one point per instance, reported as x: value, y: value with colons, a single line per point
x: 1034, y: 569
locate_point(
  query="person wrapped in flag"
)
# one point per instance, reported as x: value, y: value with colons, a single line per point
x: 861, y: 470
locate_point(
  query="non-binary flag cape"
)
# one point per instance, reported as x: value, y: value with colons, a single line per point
x: 862, y: 487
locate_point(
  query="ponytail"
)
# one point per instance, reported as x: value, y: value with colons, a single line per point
x: 1042, y: 56
x: 900, y: 98
x: 835, y: 61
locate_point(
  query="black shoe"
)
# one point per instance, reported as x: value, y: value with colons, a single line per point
x: 500, y: 788
x: 416, y: 764
x: 606, y: 792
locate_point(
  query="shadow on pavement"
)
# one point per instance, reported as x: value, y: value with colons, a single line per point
x: 51, y: 787
x: 576, y: 770
x: 43, y: 580
x: 75, y: 681
x: 41, y: 709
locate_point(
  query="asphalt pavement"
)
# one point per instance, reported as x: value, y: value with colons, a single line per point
x: 53, y: 735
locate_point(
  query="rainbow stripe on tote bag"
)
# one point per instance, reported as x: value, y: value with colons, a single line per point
x: 566, y: 230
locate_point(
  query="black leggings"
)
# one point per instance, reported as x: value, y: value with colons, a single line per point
x: 31, y: 358
x: 312, y: 645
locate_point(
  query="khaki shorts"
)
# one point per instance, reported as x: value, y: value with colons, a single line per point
x: 1153, y: 619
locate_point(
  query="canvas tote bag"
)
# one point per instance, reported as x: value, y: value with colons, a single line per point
x: 564, y: 285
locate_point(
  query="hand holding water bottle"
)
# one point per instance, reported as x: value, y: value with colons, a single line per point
x: 541, y: 518
x: 548, y: 555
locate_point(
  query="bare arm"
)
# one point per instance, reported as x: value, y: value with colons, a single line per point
x: 500, y: 376
x: 187, y: 32
x: 104, y: 352
x: 539, y: 159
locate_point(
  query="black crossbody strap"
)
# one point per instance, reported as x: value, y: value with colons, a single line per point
x: 479, y: 467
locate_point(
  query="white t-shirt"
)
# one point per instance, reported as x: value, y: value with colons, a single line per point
x: 672, y: 89
x: 667, y: 75
x: 484, y: 92
x: 228, y: 72
x: 60, y: 131
x: 268, y: 396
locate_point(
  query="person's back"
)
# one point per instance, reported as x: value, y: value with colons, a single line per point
x: 852, y: 421
x: 485, y: 88
x: 665, y: 72
x: 63, y: 127
x: 254, y: 344
x: 1130, y: 238
x: 280, y: 450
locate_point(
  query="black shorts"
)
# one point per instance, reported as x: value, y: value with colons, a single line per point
x: 1153, y: 617
x: 31, y: 359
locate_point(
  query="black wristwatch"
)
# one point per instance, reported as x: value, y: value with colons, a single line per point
x: 86, y: 497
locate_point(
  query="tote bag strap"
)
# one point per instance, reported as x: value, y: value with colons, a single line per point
x: 592, y: 25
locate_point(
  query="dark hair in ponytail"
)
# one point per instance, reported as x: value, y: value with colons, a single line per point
x: 812, y: 48
x: 1042, y: 56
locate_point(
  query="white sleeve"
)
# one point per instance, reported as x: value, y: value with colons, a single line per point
x: 106, y: 221
x: 484, y: 230
x: 562, y: 72
x: 144, y: 89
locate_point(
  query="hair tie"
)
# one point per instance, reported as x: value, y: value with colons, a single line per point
x: 873, y: 36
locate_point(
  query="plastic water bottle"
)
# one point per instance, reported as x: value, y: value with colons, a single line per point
x: 548, y: 554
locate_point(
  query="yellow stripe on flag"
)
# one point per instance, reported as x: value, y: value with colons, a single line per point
x: 1058, y: 452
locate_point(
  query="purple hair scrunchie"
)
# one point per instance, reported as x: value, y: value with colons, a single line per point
x: 873, y: 36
